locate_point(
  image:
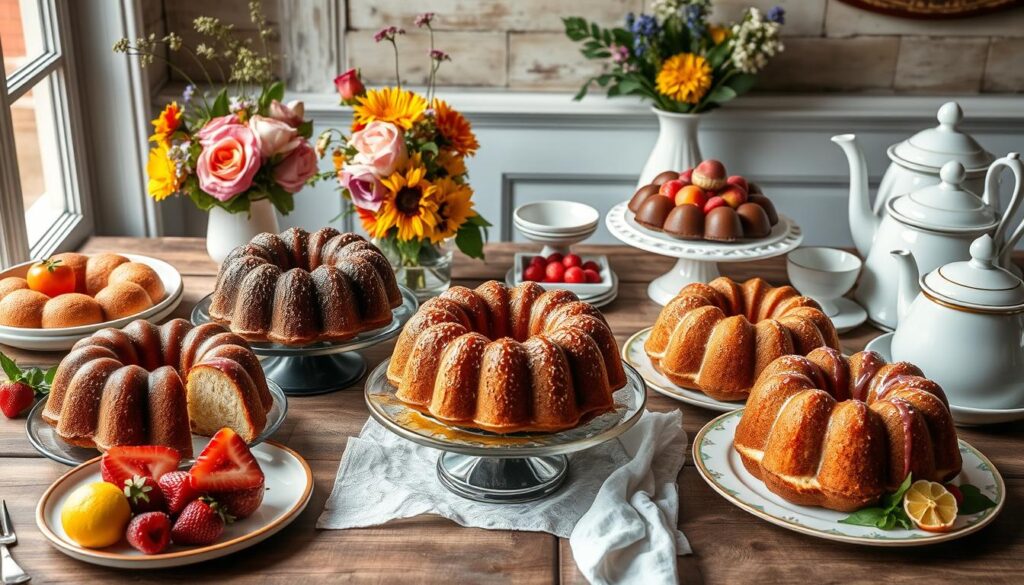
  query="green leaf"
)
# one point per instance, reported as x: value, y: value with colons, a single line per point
x: 742, y: 82
x: 470, y: 240
x: 974, y: 500
x: 282, y: 200
x: 50, y: 374
x: 220, y: 105
x: 893, y: 500
x: 575, y: 28
x: 479, y: 220
x: 865, y: 517
x: 721, y: 94
x: 429, y: 147
x: 275, y: 92
x: 583, y: 90
x: 305, y: 129
x: 718, y: 55
x: 10, y: 368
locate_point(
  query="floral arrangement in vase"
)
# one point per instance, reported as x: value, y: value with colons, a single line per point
x: 402, y: 168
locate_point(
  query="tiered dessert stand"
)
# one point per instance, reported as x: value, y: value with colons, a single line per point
x: 698, y: 260
x: 321, y: 367
x: 488, y: 467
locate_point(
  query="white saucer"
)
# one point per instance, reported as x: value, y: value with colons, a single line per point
x: 850, y: 315
x: 963, y: 416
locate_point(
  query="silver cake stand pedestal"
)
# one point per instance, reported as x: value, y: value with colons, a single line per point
x: 697, y: 260
x: 321, y: 367
x: 487, y: 467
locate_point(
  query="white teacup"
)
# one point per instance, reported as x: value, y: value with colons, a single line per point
x: 824, y: 274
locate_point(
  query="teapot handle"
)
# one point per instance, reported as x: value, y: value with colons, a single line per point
x: 1011, y: 161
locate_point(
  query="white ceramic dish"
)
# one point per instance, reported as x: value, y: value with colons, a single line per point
x: 721, y: 467
x: 522, y: 260
x: 825, y: 274
x: 554, y: 217
x: 849, y: 314
x: 289, y: 484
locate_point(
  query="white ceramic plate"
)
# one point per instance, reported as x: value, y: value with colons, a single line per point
x: 289, y: 483
x: 595, y: 300
x: 720, y: 466
x: 634, y: 354
x: 522, y: 260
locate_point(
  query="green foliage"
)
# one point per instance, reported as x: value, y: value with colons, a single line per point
x: 37, y: 378
x: 220, y: 105
x: 974, y: 500
x: 888, y: 516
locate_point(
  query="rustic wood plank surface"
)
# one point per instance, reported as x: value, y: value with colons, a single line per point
x: 730, y: 545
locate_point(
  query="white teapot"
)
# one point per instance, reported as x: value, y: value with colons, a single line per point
x: 963, y: 325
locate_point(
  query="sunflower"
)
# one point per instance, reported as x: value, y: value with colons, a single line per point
x: 163, y: 174
x: 453, y: 208
x: 373, y: 224
x: 455, y: 129
x: 166, y: 123
x: 410, y: 203
x: 398, y: 106
x: 452, y: 163
x: 685, y: 77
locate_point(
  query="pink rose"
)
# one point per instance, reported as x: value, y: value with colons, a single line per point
x: 207, y: 134
x: 291, y: 113
x: 228, y: 161
x: 381, y: 145
x: 273, y: 136
x: 296, y: 168
x: 349, y: 85
x: 362, y: 184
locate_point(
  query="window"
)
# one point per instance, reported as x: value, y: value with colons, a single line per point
x: 42, y: 205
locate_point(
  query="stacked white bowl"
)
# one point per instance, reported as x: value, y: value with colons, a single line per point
x: 556, y: 224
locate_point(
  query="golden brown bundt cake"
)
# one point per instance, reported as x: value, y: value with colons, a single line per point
x: 717, y: 337
x: 135, y: 386
x: 826, y: 430
x: 297, y: 288
x: 507, y: 360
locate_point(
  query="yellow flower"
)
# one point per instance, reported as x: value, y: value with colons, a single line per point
x: 454, y: 208
x: 718, y: 33
x: 398, y: 106
x: 685, y: 77
x: 163, y: 175
x: 455, y: 129
x: 453, y: 164
x: 166, y: 123
x: 410, y: 204
x: 338, y: 158
x: 373, y: 224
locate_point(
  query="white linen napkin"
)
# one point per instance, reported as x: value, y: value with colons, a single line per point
x: 628, y: 534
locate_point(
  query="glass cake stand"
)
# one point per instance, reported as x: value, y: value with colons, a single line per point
x: 513, y: 468
x: 321, y: 367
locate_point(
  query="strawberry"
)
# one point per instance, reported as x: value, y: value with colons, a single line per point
x: 144, y: 495
x: 226, y: 464
x: 201, y: 522
x: 957, y: 494
x: 177, y: 492
x: 22, y: 386
x: 15, y: 398
x: 120, y: 464
x: 150, y: 533
x: 572, y: 260
x: 241, y: 503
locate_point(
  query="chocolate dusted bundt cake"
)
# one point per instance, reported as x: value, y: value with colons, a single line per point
x: 149, y: 385
x: 507, y: 360
x: 717, y: 337
x: 297, y: 288
x: 837, y: 432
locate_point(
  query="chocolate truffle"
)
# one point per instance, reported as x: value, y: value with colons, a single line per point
x: 766, y: 203
x: 641, y: 195
x: 753, y: 187
x: 665, y: 177
x: 653, y: 212
x: 722, y: 225
x: 754, y: 220
x: 685, y: 222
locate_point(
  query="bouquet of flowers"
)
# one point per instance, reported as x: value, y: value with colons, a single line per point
x: 676, y: 57
x: 403, y: 166
x: 227, y: 150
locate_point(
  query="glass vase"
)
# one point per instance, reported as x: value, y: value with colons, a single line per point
x: 429, y: 274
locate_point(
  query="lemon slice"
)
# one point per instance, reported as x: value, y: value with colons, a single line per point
x: 930, y: 505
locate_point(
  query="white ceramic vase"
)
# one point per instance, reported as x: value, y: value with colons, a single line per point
x: 677, y: 147
x: 226, y: 231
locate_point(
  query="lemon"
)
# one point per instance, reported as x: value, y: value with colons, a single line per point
x: 930, y: 505
x: 95, y: 515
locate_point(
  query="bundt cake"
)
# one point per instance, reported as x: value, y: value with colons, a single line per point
x: 297, y: 288
x: 142, y: 385
x: 826, y: 430
x: 717, y: 337
x: 507, y: 360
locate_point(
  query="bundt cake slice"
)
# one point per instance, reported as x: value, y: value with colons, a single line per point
x: 507, y: 360
x: 297, y: 288
x: 717, y: 337
x: 826, y: 430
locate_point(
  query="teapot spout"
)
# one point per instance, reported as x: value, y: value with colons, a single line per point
x: 863, y: 221
x: 908, y: 286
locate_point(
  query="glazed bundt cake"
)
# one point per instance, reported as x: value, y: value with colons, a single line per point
x: 507, y: 360
x: 826, y: 430
x: 149, y: 385
x: 297, y: 288
x: 717, y: 337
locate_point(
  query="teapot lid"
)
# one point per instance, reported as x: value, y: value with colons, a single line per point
x: 932, y: 147
x: 947, y: 206
x: 977, y: 283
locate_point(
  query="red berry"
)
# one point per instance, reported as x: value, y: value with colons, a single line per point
x: 177, y: 490
x: 241, y: 503
x: 149, y: 533
x: 225, y: 464
x: 670, y: 188
x: 538, y: 261
x: 593, y: 276
x: 554, y: 272
x: 144, y: 495
x: 572, y: 260
x: 574, y: 275
x: 534, y: 272
x: 957, y: 494
x: 556, y: 257
x: 201, y: 522
x: 15, y: 397
x: 591, y: 265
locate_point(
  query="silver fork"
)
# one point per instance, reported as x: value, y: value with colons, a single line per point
x: 10, y: 572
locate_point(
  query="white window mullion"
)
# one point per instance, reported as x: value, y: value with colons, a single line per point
x: 13, y: 239
x: 30, y: 74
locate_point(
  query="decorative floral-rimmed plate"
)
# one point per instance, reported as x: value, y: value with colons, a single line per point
x: 289, y: 486
x: 721, y: 467
x: 634, y: 354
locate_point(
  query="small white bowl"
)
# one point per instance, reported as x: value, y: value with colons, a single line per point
x: 583, y: 289
x: 556, y: 217
x: 825, y: 274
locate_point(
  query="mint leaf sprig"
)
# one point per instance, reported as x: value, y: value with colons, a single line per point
x: 38, y: 379
x: 974, y: 500
x: 887, y: 516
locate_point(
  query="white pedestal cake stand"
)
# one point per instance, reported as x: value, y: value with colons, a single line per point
x: 322, y: 367
x: 488, y: 467
x: 698, y: 260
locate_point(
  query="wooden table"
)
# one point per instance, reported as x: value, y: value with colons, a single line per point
x: 730, y: 545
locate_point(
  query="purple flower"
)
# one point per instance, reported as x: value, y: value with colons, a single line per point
x: 186, y: 96
x: 630, y: 19
x: 777, y: 15
x: 645, y: 26
x: 424, y: 19
x: 620, y: 53
x: 695, y: 19
x: 388, y: 33
x: 439, y: 55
